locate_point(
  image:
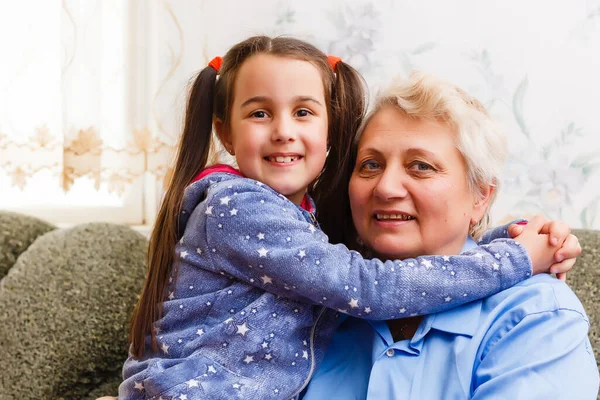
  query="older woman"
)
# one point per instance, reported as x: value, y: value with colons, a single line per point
x: 426, y: 173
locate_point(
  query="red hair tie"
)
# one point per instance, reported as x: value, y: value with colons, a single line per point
x: 216, y: 63
x: 333, y: 60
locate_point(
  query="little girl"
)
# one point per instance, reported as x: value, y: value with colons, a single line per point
x: 244, y: 290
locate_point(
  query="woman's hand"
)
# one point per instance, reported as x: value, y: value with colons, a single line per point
x: 557, y: 234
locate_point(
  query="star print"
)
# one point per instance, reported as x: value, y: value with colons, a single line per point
x: 288, y: 238
x: 427, y: 264
x: 192, y: 383
x: 208, y: 303
x: 268, y: 356
x: 225, y: 200
x: 318, y: 262
x: 496, y: 266
x: 236, y: 386
x: 249, y: 359
x: 367, y: 310
x: 183, y: 397
x: 301, y: 254
x: 305, y: 354
x: 265, y: 345
x: 497, y: 255
x: 312, y: 229
x: 200, y: 332
x: 243, y: 328
x: 212, y: 369
x: 346, y: 287
x: 198, y: 250
x: 447, y: 299
x: 181, y: 241
x: 276, y: 391
x: 208, y: 210
x: 266, y: 279
x: 353, y: 303
x: 411, y: 264
x: 233, y: 212
x: 139, y: 386
x: 221, y: 215
x: 446, y: 258
x: 229, y: 291
x: 402, y: 310
x: 260, y: 236
x: 262, y: 252
x: 165, y: 348
x: 184, y: 254
x: 179, y: 341
x: 171, y: 295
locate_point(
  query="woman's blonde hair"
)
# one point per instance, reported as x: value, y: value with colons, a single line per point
x: 477, y: 136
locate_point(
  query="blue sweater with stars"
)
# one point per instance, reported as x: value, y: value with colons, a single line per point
x: 256, y: 290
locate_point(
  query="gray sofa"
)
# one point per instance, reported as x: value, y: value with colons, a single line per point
x: 66, y: 296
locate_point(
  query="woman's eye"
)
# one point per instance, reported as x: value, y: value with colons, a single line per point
x: 370, y: 165
x: 421, y: 166
x: 259, y: 114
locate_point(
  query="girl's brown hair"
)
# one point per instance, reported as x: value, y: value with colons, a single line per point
x: 211, y: 98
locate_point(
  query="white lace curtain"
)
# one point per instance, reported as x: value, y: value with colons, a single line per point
x: 80, y: 99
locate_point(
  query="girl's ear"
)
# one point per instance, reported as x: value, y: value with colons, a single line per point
x: 224, y: 135
x: 480, y: 205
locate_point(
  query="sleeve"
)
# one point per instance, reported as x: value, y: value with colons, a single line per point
x: 257, y: 236
x: 546, y: 355
x: 498, y: 232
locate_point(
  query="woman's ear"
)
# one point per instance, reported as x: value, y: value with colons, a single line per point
x: 224, y: 135
x: 482, y: 200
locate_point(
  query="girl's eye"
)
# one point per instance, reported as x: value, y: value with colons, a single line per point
x: 421, y: 166
x: 259, y: 114
x: 303, y: 113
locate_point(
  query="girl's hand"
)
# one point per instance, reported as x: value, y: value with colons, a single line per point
x: 558, y: 235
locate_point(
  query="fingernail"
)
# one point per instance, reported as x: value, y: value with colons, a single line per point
x: 554, y: 241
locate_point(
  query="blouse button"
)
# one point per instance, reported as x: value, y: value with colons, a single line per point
x: 390, y: 352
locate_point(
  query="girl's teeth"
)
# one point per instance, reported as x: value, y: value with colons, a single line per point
x: 282, y: 159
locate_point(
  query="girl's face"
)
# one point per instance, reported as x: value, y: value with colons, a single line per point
x: 278, y: 125
x: 408, y: 192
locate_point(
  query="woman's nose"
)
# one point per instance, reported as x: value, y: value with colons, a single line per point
x: 391, y: 185
x: 283, y: 130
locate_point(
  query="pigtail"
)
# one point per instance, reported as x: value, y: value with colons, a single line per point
x: 331, y: 190
x: 192, y: 157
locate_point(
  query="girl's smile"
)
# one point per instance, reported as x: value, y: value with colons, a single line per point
x: 278, y: 125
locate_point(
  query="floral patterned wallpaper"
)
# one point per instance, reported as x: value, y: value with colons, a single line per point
x: 533, y: 63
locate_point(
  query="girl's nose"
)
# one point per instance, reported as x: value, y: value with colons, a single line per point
x: 283, y: 130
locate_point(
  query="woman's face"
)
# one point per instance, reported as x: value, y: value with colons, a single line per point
x: 408, y: 192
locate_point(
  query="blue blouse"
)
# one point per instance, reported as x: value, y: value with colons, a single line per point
x: 526, y: 342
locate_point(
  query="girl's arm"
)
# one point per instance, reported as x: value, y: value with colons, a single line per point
x: 257, y: 236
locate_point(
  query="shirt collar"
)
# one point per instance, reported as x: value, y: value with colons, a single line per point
x: 463, y: 320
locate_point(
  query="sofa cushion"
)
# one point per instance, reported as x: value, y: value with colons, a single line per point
x: 585, y: 281
x: 17, y: 232
x: 66, y: 304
